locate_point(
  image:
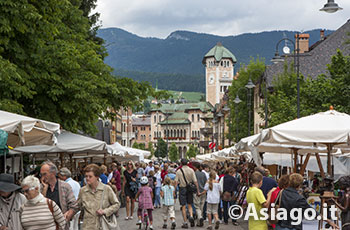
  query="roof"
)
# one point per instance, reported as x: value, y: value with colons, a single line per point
x: 219, y: 52
x: 141, y: 121
x: 176, y: 118
x: 178, y: 113
x: 184, y: 108
x: 314, y: 62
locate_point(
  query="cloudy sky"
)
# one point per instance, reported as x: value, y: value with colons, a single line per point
x: 158, y: 18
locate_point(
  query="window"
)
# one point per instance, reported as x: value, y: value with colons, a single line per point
x: 192, y: 133
x: 192, y: 117
x: 159, y: 134
x: 155, y: 134
x: 198, y: 117
x: 184, y: 134
x: 160, y: 117
x: 150, y: 137
x: 178, y: 133
x: 155, y: 119
x: 181, y: 133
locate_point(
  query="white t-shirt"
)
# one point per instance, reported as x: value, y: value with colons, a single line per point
x: 213, y: 196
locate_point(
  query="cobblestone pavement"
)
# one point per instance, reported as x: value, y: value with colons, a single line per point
x: 158, y: 221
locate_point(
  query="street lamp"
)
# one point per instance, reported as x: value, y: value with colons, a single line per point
x: 227, y: 109
x: 331, y: 7
x: 220, y: 115
x: 277, y: 58
x: 249, y: 86
x: 167, y: 137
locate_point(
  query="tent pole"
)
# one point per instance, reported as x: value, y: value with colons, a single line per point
x: 295, y: 160
x: 71, y: 162
x: 329, y: 160
x: 320, y: 165
x: 61, y: 159
x: 104, y: 159
x: 303, y: 167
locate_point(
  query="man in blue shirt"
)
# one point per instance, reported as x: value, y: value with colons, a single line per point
x: 268, y: 182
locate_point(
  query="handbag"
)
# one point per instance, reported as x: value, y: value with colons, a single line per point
x: 108, y: 223
x: 277, y: 206
x: 190, y: 187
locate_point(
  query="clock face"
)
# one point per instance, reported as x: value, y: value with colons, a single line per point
x: 211, y: 79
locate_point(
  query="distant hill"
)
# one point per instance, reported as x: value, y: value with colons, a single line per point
x: 176, y: 62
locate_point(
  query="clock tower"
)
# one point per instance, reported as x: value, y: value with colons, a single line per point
x: 219, y: 70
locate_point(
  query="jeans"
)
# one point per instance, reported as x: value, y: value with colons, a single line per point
x: 157, y: 197
x: 226, y: 206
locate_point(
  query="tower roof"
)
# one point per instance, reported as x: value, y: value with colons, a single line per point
x: 219, y: 52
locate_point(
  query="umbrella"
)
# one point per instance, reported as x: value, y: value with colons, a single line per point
x: 314, y: 133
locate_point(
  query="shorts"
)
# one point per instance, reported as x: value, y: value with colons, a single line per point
x: 169, y: 211
x: 185, y: 197
x: 212, y: 208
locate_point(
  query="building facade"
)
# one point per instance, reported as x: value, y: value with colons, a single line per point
x: 219, y: 71
x: 141, y: 127
x: 179, y: 123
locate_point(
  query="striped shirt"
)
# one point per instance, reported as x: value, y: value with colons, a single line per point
x: 39, y: 217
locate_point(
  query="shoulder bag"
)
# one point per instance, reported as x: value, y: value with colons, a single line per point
x: 277, y: 206
x: 108, y: 223
x: 49, y: 203
x: 190, y: 187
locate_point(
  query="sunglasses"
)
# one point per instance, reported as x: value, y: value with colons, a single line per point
x: 28, y: 189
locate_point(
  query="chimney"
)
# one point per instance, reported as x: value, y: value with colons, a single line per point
x: 321, y: 35
x: 303, y: 42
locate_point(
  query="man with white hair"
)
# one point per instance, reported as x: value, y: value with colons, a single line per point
x: 66, y: 175
x: 58, y: 191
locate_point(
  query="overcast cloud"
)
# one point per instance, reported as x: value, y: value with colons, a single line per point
x: 158, y: 18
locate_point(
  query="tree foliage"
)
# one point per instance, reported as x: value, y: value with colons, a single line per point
x: 51, y: 68
x: 191, y: 152
x: 161, y: 150
x: 238, y: 119
x: 173, y: 153
x: 316, y: 95
x: 151, y: 149
x: 139, y: 146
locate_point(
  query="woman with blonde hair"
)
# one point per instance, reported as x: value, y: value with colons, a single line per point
x: 96, y: 199
x: 213, y: 189
x: 39, y: 212
x: 129, y: 189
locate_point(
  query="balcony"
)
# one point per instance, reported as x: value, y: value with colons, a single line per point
x: 206, y: 131
x: 204, y: 144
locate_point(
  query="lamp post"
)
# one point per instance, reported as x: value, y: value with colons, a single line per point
x: 227, y: 109
x: 331, y: 7
x: 237, y: 101
x: 167, y: 137
x: 277, y: 58
x: 250, y: 85
x: 220, y: 115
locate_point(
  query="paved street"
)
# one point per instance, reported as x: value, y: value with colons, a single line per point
x: 158, y: 221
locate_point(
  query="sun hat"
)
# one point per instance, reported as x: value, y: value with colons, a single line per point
x: 7, y: 183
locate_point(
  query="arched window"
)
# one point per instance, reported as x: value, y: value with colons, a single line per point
x: 155, y: 119
x: 192, y: 133
x: 164, y: 133
x: 198, y: 117
x: 184, y: 133
x: 171, y: 133
x: 192, y: 117
x: 178, y: 133
x: 181, y: 133
x: 160, y: 118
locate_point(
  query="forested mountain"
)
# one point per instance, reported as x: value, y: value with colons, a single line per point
x: 176, y: 61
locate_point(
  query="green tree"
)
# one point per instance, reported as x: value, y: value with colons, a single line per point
x: 135, y: 145
x: 161, y: 150
x: 151, y: 149
x: 52, y: 69
x: 173, y: 153
x: 316, y: 95
x: 192, y: 151
x: 253, y: 70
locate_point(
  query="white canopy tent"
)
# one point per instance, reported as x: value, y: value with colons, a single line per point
x: 286, y: 160
x: 314, y: 133
x: 222, y: 155
x: 25, y: 131
x: 127, y: 152
x: 67, y: 142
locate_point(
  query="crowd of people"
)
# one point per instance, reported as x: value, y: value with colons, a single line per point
x: 54, y: 200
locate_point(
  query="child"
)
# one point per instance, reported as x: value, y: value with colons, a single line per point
x: 213, y: 189
x: 152, y: 182
x: 255, y: 196
x: 145, y: 196
x: 168, y: 194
